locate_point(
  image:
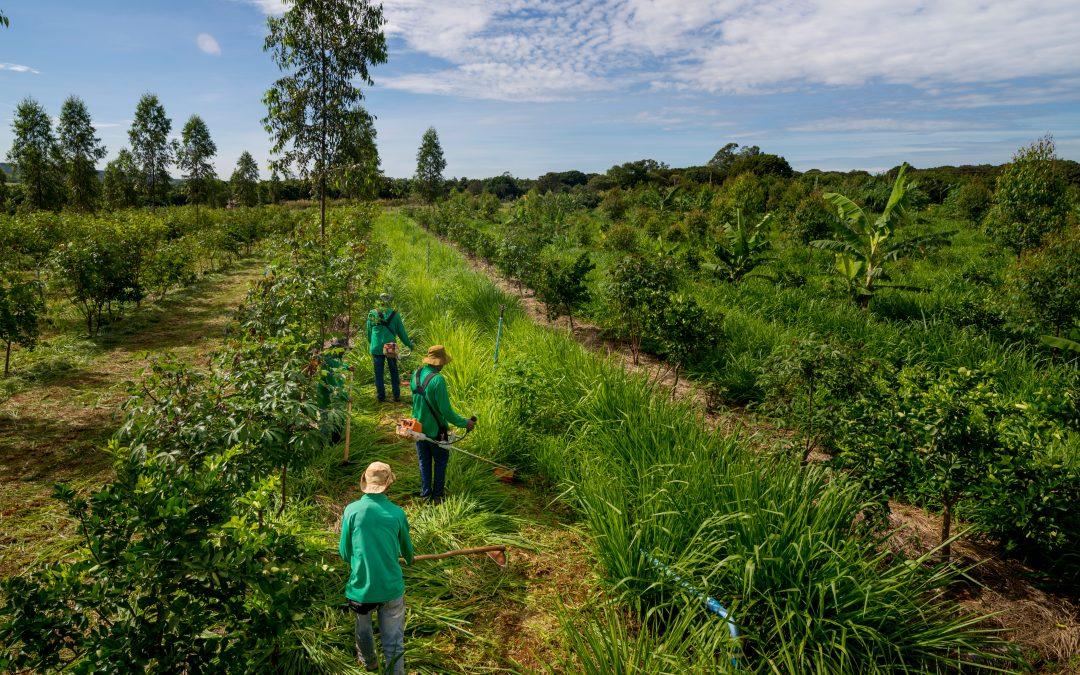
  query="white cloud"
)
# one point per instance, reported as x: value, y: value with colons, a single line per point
x: 844, y: 124
x: 539, y: 50
x: 208, y: 44
x: 18, y: 68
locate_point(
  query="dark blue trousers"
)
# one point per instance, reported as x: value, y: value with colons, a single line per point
x: 395, y: 380
x: 432, y: 483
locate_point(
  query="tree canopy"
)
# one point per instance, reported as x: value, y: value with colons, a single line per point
x: 150, y: 149
x: 35, y: 156
x: 81, y: 150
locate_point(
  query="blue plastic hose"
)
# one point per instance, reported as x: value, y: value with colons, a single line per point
x: 711, y: 604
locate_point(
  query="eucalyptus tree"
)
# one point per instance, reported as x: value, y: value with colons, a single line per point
x: 360, y: 171
x: 430, y: 164
x: 120, y: 183
x: 81, y: 150
x: 326, y: 49
x: 244, y: 182
x: 150, y: 148
x: 193, y: 155
x: 35, y: 156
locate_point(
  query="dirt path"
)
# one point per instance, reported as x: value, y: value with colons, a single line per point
x: 53, y: 431
x: 1043, y: 623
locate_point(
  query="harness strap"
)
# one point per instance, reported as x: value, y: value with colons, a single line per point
x: 421, y: 388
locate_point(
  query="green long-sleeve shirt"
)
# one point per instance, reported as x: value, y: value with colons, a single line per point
x: 332, y: 383
x: 380, y: 331
x: 439, y: 398
x: 374, y: 533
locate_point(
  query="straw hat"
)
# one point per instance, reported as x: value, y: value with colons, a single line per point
x: 377, y: 478
x: 437, y: 356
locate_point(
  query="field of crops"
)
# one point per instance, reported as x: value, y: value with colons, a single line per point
x: 214, y: 546
x: 941, y: 380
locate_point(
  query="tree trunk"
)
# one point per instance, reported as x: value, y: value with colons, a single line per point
x: 284, y: 476
x: 570, y: 318
x: 946, y: 527
x: 675, y: 386
x: 7, y: 360
x: 322, y: 206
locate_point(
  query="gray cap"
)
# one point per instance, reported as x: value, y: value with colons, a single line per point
x: 385, y: 297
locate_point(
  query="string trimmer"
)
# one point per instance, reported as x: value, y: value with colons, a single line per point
x: 411, y: 428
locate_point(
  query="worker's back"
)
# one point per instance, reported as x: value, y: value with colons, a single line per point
x: 375, y: 533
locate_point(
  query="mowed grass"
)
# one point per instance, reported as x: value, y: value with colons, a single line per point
x: 63, y: 402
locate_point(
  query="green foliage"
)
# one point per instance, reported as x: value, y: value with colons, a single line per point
x: 35, y: 156
x: 81, y: 150
x: 742, y: 248
x: 562, y: 282
x: 811, y: 219
x: 20, y: 310
x: 969, y: 200
x: 638, y: 286
x: 1048, y: 281
x: 1030, y: 201
x: 864, y: 246
x: 809, y: 382
x: 244, y: 182
x: 121, y: 181
x: 743, y: 193
x: 193, y: 155
x: 150, y: 149
x: 358, y: 175
x: 179, y: 575
x: 430, y: 164
x: 686, y: 332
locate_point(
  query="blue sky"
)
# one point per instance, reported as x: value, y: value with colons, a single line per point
x: 529, y: 86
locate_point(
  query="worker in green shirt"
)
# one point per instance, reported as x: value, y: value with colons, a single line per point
x: 331, y: 388
x: 431, y: 406
x: 383, y: 328
x: 374, y: 534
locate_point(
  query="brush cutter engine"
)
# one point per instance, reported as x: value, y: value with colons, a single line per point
x: 410, y: 428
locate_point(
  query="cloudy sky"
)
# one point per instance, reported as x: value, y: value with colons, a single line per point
x: 529, y: 86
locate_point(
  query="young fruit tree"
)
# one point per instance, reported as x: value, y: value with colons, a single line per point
x: 35, y: 156
x: 686, y: 333
x: 638, y: 286
x: 326, y: 47
x: 957, y: 414
x: 20, y: 307
x: 1048, y: 281
x: 1031, y: 200
x: 193, y: 155
x: 430, y: 164
x: 563, y: 284
x: 150, y: 148
x: 81, y: 150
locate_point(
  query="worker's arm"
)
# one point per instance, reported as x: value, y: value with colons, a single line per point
x: 442, y: 402
x: 345, y: 543
x: 405, y: 540
x: 367, y: 328
x: 399, y: 330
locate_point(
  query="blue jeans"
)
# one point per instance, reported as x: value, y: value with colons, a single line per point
x: 395, y: 380
x: 391, y: 635
x: 429, y: 453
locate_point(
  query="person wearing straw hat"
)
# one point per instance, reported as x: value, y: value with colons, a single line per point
x: 431, y: 407
x: 383, y: 328
x: 374, y: 534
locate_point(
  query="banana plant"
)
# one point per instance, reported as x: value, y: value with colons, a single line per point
x: 865, y: 245
x: 741, y: 249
